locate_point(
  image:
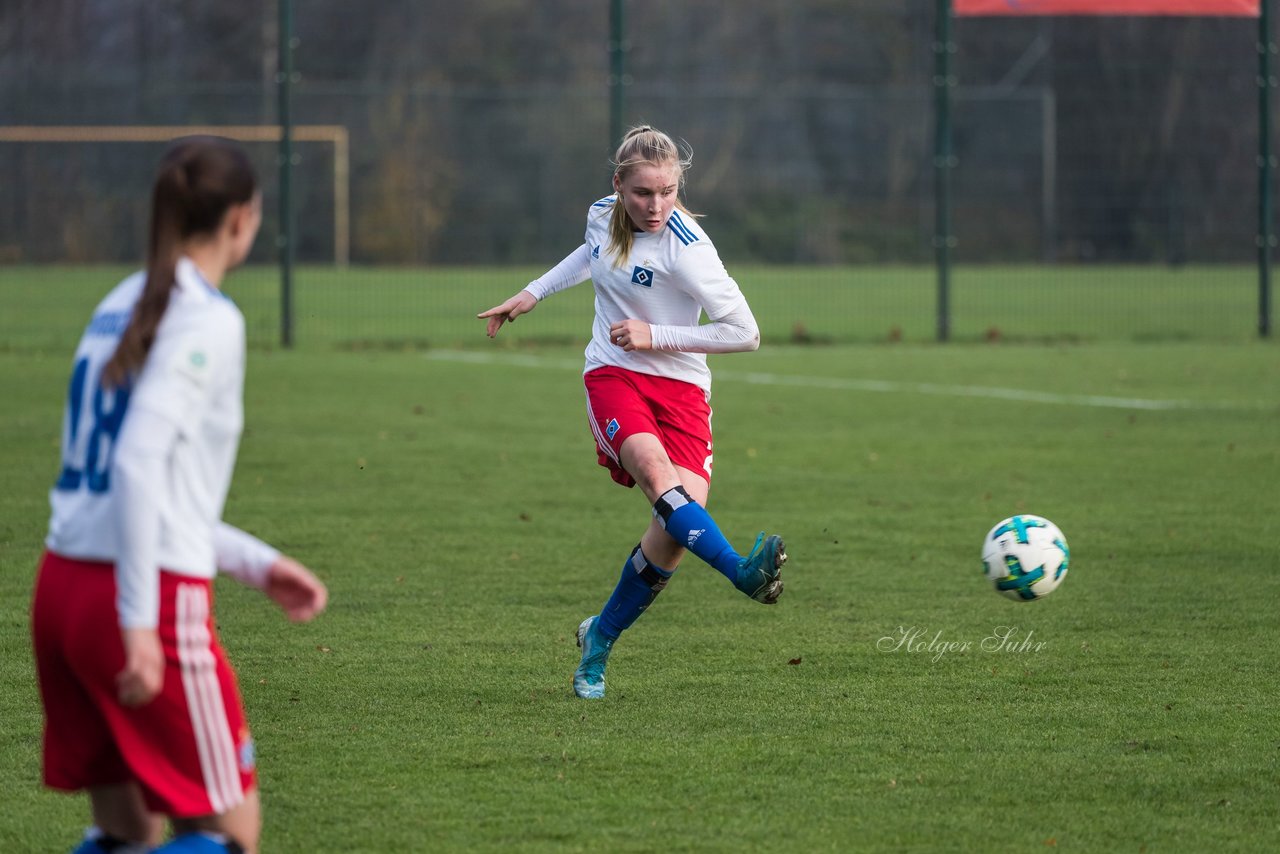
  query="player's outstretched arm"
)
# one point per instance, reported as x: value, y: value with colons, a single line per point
x: 522, y: 303
x: 573, y: 270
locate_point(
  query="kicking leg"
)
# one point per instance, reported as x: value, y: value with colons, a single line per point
x: 682, y: 516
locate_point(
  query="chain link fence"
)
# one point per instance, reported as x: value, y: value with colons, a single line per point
x: 1104, y: 182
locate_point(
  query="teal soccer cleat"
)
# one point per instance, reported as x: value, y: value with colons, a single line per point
x: 588, y: 679
x: 760, y: 573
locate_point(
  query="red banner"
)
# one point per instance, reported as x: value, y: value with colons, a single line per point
x: 1229, y: 8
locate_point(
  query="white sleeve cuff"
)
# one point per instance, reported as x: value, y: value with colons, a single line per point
x: 736, y: 332
x: 243, y: 556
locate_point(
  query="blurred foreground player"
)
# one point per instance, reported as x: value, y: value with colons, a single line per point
x: 141, y: 707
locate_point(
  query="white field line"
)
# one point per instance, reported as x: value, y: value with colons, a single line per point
x: 889, y: 386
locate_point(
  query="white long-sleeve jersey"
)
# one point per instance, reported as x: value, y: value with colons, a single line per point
x: 669, y: 280
x: 146, y: 468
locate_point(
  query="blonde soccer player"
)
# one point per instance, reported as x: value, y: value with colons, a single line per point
x: 648, y: 387
x: 140, y: 704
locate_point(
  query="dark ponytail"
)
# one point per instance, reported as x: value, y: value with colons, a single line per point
x: 200, y: 178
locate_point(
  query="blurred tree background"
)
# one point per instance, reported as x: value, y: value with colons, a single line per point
x: 480, y: 131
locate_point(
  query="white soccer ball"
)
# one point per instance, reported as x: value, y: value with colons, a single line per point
x: 1025, y: 557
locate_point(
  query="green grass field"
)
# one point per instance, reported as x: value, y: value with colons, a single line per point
x: 451, y: 500
x: 361, y: 308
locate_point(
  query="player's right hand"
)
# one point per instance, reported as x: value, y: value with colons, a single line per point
x: 522, y: 303
x: 143, y: 674
x: 296, y: 589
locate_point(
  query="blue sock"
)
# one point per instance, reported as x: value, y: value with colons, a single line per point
x: 200, y: 842
x: 692, y: 527
x: 97, y: 842
x: 640, y: 584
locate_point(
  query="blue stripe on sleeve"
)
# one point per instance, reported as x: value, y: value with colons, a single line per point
x: 682, y: 231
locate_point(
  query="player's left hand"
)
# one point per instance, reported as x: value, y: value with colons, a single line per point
x: 295, y: 589
x: 631, y: 334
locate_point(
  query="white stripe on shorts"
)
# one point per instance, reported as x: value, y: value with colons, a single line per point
x: 214, y: 742
x: 600, y: 437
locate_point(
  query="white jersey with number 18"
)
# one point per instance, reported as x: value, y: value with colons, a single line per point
x: 193, y: 379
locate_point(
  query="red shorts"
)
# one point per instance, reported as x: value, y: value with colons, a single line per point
x: 189, y: 749
x: 622, y: 403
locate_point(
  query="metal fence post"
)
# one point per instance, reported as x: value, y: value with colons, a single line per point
x: 1266, y: 239
x: 285, y: 240
x: 942, y: 163
x: 617, y: 70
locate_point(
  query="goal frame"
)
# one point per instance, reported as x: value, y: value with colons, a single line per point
x: 336, y: 135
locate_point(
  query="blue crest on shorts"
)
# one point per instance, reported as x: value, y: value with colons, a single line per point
x: 642, y: 276
x: 595, y: 253
x: 247, y: 755
x: 612, y: 428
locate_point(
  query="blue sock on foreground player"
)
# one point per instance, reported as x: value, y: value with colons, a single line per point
x: 97, y: 842
x: 198, y: 842
x: 757, y: 575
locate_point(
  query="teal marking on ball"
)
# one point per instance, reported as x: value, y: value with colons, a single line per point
x: 1019, y: 525
x: 1019, y: 579
x: 1066, y: 559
